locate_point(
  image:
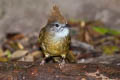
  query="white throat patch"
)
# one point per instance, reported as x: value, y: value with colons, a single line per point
x: 63, y: 33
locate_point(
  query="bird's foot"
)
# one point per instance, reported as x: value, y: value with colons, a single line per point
x: 42, y: 62
x: 62, y: 64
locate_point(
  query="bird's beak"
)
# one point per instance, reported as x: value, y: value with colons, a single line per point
x: 67, y: 25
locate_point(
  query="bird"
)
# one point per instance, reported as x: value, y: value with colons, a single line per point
x: 54, y: 38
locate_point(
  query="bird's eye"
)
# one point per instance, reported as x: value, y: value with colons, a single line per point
x: 57, y: 25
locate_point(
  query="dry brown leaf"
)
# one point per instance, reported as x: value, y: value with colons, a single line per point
x: 3, y: 59
x: 12, y: 45
x: 19, y: 53
x: 1, y: 53
x: 14, y: 36
x: 20, y: 46
x: 32, y: 56
x: 37, y: 54
x: 87, y: 33
x: 28, y: 58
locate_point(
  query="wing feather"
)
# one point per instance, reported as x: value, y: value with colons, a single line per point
x: 41, y: 35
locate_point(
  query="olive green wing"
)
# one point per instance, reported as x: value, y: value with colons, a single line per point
x: 41, y: 35
x: 70, y: 56
x: 68, y: 40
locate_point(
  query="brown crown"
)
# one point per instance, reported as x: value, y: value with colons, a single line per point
x: 56, y: 16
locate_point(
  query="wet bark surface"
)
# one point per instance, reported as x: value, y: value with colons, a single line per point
x: 34, y: 71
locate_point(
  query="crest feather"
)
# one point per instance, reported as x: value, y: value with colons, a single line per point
x: 56, y: 16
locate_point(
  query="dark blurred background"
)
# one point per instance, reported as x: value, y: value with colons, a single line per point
x: 28, y: 16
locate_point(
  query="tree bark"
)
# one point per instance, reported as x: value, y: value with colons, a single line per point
x: 34, y: 71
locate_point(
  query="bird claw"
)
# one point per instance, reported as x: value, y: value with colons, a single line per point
x: 62, y: 64
x: 42, y: 62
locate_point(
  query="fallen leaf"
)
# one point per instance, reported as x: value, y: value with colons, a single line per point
x: 37, y: 54
x: 19, y: 53
x: 20, y: 46
x: 12, y: 45
x: 14, y: 36
x: 110, y: 49
x: 1, y: 53
x: 28, y: 58
x: 3, y: 59
x: 8, y: 53
x: 104, y: 30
